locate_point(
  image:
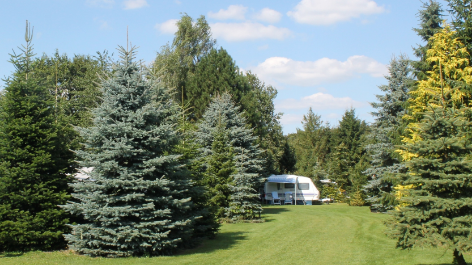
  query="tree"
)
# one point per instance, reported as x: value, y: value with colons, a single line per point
x: 176, y: 62
x: 386, y: 133
x: 451, y: 74
x: 35, y: 161
x: 136, y: 199
x: 430, y: 23
x: 437, y: 210
x: 215, y: 74
x: 222, y: 112
x: 74, y: 83
x: 349, y: 158
x: 462, y: 21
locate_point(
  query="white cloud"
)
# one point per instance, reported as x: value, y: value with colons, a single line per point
x: 134, y: 4
x: 309, y: 73
x: 233, y: 12
x: 326, y: 12
x: 319, y: 101
x: 248, y: 31
x: 101, y: 3
x: 168, y: 27
x: 268, y: 15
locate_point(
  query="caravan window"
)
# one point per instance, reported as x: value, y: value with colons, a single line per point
x: 278, y: 186
x: 289, y: 185
x: 303, y: 186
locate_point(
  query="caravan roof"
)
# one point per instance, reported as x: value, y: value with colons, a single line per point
x: 287, y: 178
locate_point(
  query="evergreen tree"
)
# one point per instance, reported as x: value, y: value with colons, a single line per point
x: 220, y: 172
x: 451, y: 74
x: 438, y: 206
x: 34, y: 161
x: 386, y: 133
x: 136, y: 199
x: 349, y: 159
x: 215, y: 74
x: 247, y: 179
x: 462, y: 21
x: 430, y: 23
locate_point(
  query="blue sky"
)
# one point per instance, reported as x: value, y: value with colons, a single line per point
x: 325, y: 54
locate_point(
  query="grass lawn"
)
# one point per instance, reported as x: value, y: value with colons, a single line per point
x: 318, y: 234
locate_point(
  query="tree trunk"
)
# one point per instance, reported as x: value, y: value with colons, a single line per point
x: 458, y: 258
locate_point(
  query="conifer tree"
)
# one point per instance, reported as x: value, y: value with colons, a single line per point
x: 437, y: 210
x: 349, y: 158
x: 216, y: 73
x: 430, y: 17
x: 248, y: 178
x: 34, y: 161
x: 451, y: 74
x: 136, y: 199
x: 386, y: 133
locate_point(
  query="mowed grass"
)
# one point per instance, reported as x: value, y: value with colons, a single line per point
x: 319, y: 234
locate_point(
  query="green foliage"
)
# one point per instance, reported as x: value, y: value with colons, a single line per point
x: 437, y: 209
x: 222, y: 114
x: 386, y: 133
x: 175, y: 63
x: 136, y: 199
x: 348, y: 158
x: 220, y: 172
x: 430, y: 17
x: 74, y: 83
x: 34, y: 161
x: 312, y: 146
x: 215, y: 74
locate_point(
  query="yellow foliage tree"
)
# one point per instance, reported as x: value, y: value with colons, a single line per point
x: 450, y: 73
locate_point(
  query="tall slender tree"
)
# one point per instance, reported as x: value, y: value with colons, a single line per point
x: 386, y: 133
x: 136, y: 199
x: 244, y: 202
x: 34, y: 161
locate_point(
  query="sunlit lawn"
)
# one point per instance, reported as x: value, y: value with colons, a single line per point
x: 319, y: 234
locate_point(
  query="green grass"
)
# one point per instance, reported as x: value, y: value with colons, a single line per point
x: 319, y: 234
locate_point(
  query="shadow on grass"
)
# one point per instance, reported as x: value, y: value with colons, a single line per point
x: 436, y: 264
x: 10, y: 255
x: 270, y: 211
x: 224, y: 240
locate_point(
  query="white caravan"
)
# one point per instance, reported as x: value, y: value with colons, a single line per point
x: 301, y: 188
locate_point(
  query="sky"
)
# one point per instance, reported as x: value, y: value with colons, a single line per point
x: 329, y: 55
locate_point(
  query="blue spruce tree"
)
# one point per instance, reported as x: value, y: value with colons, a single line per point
x: 244, y: 200
x: 386, y: 133
x: 135, y: 201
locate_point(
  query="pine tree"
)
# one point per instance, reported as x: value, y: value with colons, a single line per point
x: 247, y: 179
x: 349, y: 159
x: 216, y: 73
x: 386, y: 133
x: 34, y: 161
x: 136, y: 199
x: 430, y: 23
x: 438, y: 206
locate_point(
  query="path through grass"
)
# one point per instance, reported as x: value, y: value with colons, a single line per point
x: 319, y: 234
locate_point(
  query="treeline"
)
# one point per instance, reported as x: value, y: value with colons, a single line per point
x: 169, y: 150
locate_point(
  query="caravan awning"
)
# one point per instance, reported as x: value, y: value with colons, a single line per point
x: 282, y: 178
